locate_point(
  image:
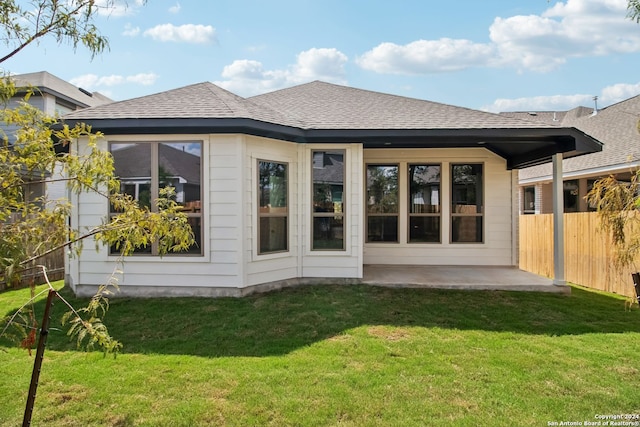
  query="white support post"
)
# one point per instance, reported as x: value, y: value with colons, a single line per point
x: 558, y: 222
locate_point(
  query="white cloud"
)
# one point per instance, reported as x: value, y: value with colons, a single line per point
x: 426, y: 56
x: 575, y: 28
x: 570, y: 29
x: 539, y: 103
x: 619, y: 92
x: 188, y: 33
x: 175, y: 8
x: 608, y: 95
x: 94, y: 82
x: 247, y: 77
x: 130, y: 31
x: 117, y: 8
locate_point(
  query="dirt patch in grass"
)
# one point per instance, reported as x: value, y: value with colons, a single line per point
x: 389, y: 334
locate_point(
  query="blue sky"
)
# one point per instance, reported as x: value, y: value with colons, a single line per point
x: 495, y: 55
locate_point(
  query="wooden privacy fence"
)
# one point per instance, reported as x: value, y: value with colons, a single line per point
x: 55, y: 270
x: 588, y: 259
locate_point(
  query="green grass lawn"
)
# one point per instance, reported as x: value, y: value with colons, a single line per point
x: 338, y: 356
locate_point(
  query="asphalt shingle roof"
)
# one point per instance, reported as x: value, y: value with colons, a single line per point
x: 315, y: 105
x: 319, y: 112
x: 323, y: 105
x: 615, y: 126
x: 197, y: 101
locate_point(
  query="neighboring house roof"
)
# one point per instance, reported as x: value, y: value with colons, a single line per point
x: 132, y: 162
x: 615, y: 126
x: 324, y: 112
x: 48, y: 83
x: 330, y: 168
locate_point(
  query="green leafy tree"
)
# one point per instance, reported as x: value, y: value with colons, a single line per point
x: 37, y: 149
x: 68, y: 22
x: 617, y: 203
x: 633, y: 10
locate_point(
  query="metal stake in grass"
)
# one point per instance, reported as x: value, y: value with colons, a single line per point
x: 37, y: 363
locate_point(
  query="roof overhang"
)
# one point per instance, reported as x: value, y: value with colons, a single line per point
x: 520, y: 147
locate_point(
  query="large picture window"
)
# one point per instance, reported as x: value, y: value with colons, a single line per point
x: 143, y: 168
x: 328, y: 200
x: 382, y: 203
x: 467, y: 203
x: 273, y: 207
x: 424, y: 203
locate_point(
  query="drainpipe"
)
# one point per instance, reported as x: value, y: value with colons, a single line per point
x: 558, y: 222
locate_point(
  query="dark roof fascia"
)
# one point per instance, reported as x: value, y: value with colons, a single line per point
x: 193, y: 126
x: 521, y: 147
x: 43, y: 89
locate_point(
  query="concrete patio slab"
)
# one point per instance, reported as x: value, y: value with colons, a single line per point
x: 459, y: 277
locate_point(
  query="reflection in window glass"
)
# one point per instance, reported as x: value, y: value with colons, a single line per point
x: 529, y: 200
x: 382, y: 203
x: 179, y: 164
x: 570, y: 189
x: 467, y: 203
x: 424, y: 203
x: 273, y: 207
x: 328, y: 200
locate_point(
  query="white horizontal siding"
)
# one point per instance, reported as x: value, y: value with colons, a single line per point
x: 231, y: 217
x: 347, y: 263
x: 269, y: 267
x: 498, y: 245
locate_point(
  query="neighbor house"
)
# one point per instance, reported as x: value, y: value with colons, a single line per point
x: 310, y: 183
x: 615, y: 126
x: 55, y: 97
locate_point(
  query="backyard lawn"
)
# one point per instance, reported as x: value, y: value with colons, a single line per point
x: 339, y: 356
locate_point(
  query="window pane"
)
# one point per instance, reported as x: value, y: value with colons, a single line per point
x: 132, y: 163
x: 466, y: 194
x: 273, y: 234
x: 328, y: 171
x: 273, y: 209
x: 273, y: 187
x: 529, y: 200
x: 382, y: 229
x: 179, y: 167
x: 570, y: 195
x: 466, y: 229
x: 382, y: 189
x: 328, y: 181
x: 424, y: 229
x: 424, y: 191
x: 328, y: 233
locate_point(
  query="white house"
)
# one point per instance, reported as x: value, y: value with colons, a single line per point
x: 313, y: 182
